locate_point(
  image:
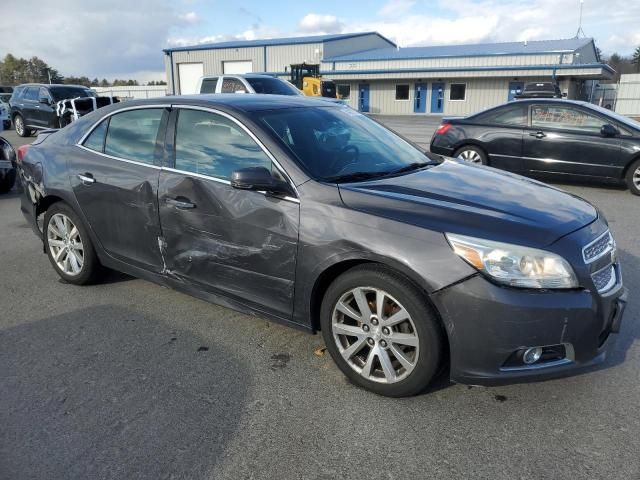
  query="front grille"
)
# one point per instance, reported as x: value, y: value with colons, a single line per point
x: 598, y: 248
x: 605, y: 278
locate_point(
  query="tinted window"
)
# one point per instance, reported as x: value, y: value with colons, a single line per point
x: 62, y: 93
x: 273, y: 86
x: 232, y: 85
x: 336, y: 141
x: 344, y: 92
x: 512, y: 115
x: 213, y: 145
x: 95, y: 141
x: 43, y: 93
x: 457, y: 91
x: 31, y: 94
x: 132, y: 135
x: 209, y: 85
x: 402, y: 92
x: 560, y: 116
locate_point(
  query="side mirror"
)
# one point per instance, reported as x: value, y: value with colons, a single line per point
x: 258, y: 178
x: 608, y: 130
x: 44, y: 100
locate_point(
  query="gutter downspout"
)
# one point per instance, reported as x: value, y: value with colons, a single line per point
x: 173, y: 83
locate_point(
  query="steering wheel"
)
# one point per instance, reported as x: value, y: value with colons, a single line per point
x: 345, y: 150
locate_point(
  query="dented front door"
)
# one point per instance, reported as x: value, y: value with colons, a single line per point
x: 235, y: 242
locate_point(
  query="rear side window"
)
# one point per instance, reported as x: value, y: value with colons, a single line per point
x: 31, y: 94
x: 213, y: 145
x: 560, y: 116
x: 209, y: 85
x: 132, y: 135
x: 95, y: 141
x: 513, y: 115
x: 232, y: 85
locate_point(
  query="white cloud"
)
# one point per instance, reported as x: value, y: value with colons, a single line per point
x: 396, y: 8
x: 314, y: 23
x: 189, y: 18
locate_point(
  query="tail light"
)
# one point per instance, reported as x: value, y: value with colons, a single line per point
x: 443, y: 128
x: 21, y: 152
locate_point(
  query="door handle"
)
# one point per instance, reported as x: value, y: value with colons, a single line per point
x: 180, y: 203
x: 86, y: 178
x: 538, y: 134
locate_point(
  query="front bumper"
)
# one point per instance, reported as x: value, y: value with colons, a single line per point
x: 487, y: 323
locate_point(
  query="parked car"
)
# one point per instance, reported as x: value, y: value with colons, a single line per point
x: 540, y: 90
x: 248, y: 83
x: 314, y: 215
x: 6, y: 89
x: 7, y: 166
x: 5, y: 118
x: 560, y: 138
x: 33, y: 106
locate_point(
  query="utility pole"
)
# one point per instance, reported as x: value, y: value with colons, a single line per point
x: 49, y: 74
x: 580, y: 31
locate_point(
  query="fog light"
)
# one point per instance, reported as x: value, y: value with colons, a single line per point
x: 531, y: 355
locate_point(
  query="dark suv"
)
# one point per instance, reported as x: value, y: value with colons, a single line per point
x: 33, y: 105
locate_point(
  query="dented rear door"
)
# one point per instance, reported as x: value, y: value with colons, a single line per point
x: 238, y: 243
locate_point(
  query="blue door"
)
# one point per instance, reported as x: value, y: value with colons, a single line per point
x: 515, y: 88
x: 363, y: 97
x: 420, y: 101
x: 437, y: 97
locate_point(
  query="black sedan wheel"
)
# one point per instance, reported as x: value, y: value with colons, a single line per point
x: 471, y: 154
x: 380, y: 331
x: 633, y: 178
x: 68, y: 245
x: 20, y: 127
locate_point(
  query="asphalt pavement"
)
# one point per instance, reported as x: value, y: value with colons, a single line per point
x: 130, y: 380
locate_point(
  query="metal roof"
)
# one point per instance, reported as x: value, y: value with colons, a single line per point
x: 275, y: 41
x: 474, y: 50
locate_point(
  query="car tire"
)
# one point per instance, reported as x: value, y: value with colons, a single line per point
x: 20, y: 127
x: 8, y: 182
x: 394, y: 356
x: 633, y: 177
x: 64, y: 232
x: 471, y: 154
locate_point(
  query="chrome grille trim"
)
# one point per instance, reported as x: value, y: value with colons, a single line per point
x: 605, y: 278
x: 598, y: 248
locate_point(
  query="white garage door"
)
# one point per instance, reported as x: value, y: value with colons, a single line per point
x: 189, y: 74
x: 237, y: 67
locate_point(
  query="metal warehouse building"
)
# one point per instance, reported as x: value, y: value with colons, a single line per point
x: 374, y: 75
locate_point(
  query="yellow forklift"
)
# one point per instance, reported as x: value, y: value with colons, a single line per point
x: 306, y: 78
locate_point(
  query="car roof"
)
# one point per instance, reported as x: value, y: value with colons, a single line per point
x: 242, y: 75
x: 245, y: 103
x: 52, y: 85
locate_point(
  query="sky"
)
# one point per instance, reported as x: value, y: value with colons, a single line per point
x: 124, y: 38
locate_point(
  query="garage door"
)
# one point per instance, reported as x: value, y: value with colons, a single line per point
x: 188, y: 75
x: 237, y: 67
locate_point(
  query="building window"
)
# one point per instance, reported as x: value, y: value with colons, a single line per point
x: 457, y: 91
x: 402, y: 92
x: 344, y: 92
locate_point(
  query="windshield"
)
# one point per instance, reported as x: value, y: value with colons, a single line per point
x: 339, y: 144
x: 62, y: 93
x: 273, y: 86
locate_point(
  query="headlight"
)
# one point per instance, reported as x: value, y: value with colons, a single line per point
x: 514, y: 265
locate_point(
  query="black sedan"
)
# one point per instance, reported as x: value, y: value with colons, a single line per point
x: 562, y: 138
x: 316, y: 216
x: 7, y: 166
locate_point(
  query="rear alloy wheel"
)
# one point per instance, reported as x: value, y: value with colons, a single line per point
x: 380, y: 332
x: 471, y: 154
x: 20, y: 127
x: 633, y: 178
x: 68, y: 245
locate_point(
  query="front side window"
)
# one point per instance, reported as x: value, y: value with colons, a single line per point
x: 457, y: 91
x: 272, y: 86
x: 95, y: 141
x: 344, y: 92
x: 563, y: 117
x: 132, y: 135
x: 402, y: 92
x: 44, y: 94
x: 213, y: 145
x: 209, y: 85
x: 332, y: 142
x: 232, y: 85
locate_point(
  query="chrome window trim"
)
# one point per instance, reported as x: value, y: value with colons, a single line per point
x: 150, y: 165
x: 612, y: 247
x: 248, y: 132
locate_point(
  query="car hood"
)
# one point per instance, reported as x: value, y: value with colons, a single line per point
x: 479, y: 201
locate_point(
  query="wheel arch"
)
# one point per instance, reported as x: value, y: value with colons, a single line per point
x: 628, y: 166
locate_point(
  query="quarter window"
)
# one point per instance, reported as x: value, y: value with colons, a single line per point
x: 213, y: 145
x: 232, y: 85
x: 344, y: 92
x: 457, y: 91
x: 209, y: 85
x: 552, y: 116
x: 132, y: 135
x: 95, y: 141
x: 402, y: 92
